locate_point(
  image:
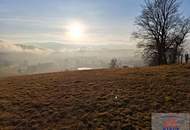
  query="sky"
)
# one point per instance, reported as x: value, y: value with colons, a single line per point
x: 100, y: 21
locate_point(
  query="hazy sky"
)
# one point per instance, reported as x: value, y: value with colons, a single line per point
x: 105, y: 21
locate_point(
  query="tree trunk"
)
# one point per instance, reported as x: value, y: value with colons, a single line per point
x: 175, y: 54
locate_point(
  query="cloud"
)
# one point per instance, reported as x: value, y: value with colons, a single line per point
x: 6, y: 47
x: 12, y: 19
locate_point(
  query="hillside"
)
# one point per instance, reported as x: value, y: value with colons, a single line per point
x: 118, y: 99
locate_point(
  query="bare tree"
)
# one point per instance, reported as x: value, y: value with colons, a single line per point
x: 178, y: 37
x: 114, y: 63
x: 161, y: 28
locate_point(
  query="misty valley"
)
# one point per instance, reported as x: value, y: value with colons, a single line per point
x: 19, y: 59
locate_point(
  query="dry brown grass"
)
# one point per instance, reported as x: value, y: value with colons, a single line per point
x: 119, y: 99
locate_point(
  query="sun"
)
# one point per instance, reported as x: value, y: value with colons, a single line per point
x: 75, y: 30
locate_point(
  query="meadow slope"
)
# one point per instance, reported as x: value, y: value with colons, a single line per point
x: 113, y: 99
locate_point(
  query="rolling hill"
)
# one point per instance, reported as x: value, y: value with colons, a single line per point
x: 107, y: 99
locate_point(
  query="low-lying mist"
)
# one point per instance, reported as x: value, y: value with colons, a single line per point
x: 32, y: 58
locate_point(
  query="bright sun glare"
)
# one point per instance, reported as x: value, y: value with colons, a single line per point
x: 76, y: 31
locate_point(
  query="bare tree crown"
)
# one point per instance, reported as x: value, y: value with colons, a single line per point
x: 162, y: 29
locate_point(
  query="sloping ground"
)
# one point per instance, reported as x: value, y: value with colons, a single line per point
x: 121, y: 99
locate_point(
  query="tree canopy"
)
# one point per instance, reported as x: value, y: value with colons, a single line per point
x: 162, y: 30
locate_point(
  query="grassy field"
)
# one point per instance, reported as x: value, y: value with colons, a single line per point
x: 117, y: 99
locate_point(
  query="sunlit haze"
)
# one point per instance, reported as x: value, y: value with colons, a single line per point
x: 76, y: 31
x: 109, y: 21
x: 69, y: 34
